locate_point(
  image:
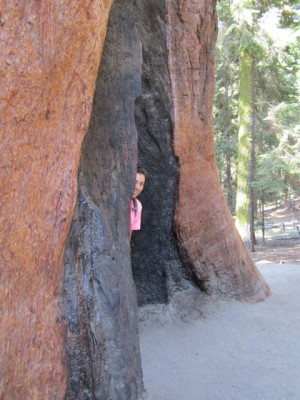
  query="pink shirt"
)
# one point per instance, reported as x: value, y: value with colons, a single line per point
x: 135, y: 216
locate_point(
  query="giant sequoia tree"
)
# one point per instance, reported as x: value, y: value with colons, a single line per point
x: 72, y: 332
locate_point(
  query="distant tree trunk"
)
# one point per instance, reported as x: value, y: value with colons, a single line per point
x: 228, y: 158
x: 252, y: 169
x: 286, y: 192
x: 229, y: 184
x: 251, y: 211
x: 244, y: 147
x: 263, y: 220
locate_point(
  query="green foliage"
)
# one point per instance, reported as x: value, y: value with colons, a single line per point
x: 268, y: 181
x: 283, y: 159
x: 249, y: 44
x: 276, y: 93
x: 290, y: 17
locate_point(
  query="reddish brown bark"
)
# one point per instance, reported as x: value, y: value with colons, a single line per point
x: 207, y: 236
x: 50, y: 53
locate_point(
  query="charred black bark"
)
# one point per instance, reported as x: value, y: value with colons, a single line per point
x: 156, y: 265
x: 100, y: 296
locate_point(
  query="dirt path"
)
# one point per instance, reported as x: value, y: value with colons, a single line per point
x: 282, y: 245
x: 237, y: 351
x: 278, y: 251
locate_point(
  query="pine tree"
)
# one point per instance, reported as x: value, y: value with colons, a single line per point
x: 266, y: 80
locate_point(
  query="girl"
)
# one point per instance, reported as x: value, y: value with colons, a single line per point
x: 135, y: 205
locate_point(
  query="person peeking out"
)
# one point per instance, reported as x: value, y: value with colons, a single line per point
x: 135, y: 204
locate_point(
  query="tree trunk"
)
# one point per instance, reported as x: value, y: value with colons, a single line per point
x: 244, y: 148
x: 252, y: 167
x: 210, y: 246
x: 263, y: 220
x: 100, y: 297
x: 50, y: 53
x: 229, y: 184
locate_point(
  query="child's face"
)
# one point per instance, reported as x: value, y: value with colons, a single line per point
x: 139, y: 184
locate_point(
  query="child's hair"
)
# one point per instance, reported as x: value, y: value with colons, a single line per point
x: 141, y: 170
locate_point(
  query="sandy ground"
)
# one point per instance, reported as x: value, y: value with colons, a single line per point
x: 236, y: 351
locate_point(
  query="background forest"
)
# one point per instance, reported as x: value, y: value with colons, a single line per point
x: 257, y: 110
